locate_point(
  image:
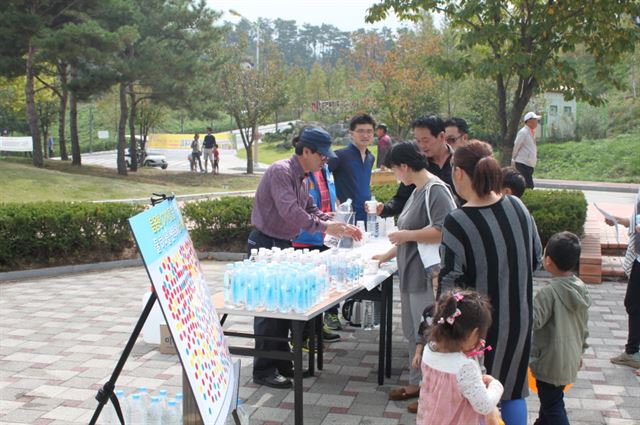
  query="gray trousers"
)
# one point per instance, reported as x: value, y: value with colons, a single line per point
x: 412, y: 306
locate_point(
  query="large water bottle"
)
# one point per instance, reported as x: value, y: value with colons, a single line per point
x: 154, y: 415
x: 171, y: 416
x: 372, y: 218
x: 137, y: 410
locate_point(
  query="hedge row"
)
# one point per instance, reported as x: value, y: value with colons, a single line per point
x: 55, y: 233
x: 556, y: 211
x: 219, y: 223
x: 51, y: 233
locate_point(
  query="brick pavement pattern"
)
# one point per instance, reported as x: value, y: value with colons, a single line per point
x: 60, y: 339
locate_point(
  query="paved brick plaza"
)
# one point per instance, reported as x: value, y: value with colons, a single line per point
x: 60, y: 339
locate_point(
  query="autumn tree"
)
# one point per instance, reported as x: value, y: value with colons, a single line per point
x: 399, y: 80
x: 520, y: 45
x: 250, y: 94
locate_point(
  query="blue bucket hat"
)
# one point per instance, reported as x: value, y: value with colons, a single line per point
x: 318, y: 139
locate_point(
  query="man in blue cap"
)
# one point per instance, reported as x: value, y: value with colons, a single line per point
x: 281, y: 208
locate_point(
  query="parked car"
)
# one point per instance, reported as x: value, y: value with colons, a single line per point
x: 149, y: 160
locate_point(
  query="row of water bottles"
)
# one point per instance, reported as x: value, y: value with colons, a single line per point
x: 289, y: 280
x: 140, y: 408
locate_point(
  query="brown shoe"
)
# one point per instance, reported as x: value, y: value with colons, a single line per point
x: 402, y: 394
x: 413, y: 407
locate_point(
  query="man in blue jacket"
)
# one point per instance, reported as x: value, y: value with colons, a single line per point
x: 352, y: 165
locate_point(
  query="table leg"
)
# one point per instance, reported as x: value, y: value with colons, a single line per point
x: 319, y: 341
x: 312, y: 345
x: 383, y: 334
x: 296, y: 328
x: 387, y: 288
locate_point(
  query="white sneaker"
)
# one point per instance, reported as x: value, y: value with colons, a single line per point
x: 624, y: 359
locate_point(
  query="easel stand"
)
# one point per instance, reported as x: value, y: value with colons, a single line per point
x: 106, y: 392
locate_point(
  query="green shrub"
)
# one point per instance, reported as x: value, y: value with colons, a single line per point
x: 556, y: 211
x: 53, y: 233
x: 384, y: 192
x: 219, y: 223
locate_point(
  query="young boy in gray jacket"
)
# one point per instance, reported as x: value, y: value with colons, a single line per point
x: 560, y: 314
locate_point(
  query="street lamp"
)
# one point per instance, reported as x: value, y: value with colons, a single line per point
x: 256, y: 24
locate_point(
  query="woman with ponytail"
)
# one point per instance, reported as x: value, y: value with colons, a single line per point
x: 491, y: 244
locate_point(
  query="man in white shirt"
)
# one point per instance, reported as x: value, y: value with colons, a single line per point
x: 525, y: 151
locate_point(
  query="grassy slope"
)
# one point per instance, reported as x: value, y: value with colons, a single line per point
x: 60, y: 181
x: 614, y: 160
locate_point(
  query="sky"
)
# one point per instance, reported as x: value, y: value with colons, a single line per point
x: 346, y: 15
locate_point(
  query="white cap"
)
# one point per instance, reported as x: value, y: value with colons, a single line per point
x: 530, y: 115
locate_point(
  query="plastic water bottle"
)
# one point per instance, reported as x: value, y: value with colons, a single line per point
x: 171, y: 416
x: 137, y: 410
x: 124, y: 406
x: 144, y: 397
x: 162, y: 395
x: 179, y: 399
x: 372, y: 217
x: 154, y: 416
x: 228, y: 278
x: 108, y: 415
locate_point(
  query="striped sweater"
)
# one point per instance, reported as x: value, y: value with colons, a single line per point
x: 495, y: 249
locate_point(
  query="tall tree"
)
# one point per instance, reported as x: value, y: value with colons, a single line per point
x: 521, y: 44
x: 250, y: 95
x: 399, y: 81
x: 166, y: 57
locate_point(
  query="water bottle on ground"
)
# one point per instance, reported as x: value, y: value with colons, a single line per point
x: 171, y: 416
x: 137, y: 410
x: 154, y: 415
x: 162, y: 395
x: 144, y: 396
x: 124, y: 406
x: 179, y: 402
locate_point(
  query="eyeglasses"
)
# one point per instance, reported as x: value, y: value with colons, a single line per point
x: 323, y: 157
x: 452, y: 139
x: 362, y: 131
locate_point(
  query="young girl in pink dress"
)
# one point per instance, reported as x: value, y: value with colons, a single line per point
x: 453, y: 390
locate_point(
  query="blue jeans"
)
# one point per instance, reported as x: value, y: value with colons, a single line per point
x: 552, y: 410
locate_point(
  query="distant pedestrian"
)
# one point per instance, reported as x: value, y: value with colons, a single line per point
x: 384, y: 144
x: 525, y: 151
x: 50, y: 146
x: 216, y: 159
x: 207, y: 149
x: 560, y: 313
x: 195, y: 153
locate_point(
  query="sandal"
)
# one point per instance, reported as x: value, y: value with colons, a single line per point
x: 402, y: 394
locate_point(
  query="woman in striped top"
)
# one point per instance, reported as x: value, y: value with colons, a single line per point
x: 491, y: 244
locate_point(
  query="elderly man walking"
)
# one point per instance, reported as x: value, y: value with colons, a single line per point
x: 525, y: 151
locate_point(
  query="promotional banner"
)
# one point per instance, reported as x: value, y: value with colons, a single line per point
x: 16, y: 144
x: 183, y: 141
x: 176, y: 275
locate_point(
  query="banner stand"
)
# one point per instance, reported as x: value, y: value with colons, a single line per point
x: 107, y: 393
